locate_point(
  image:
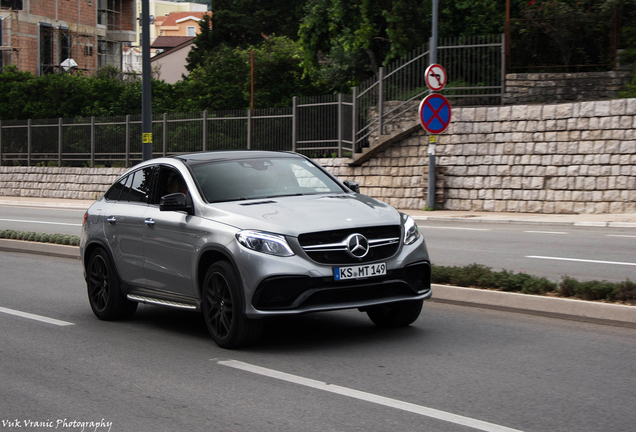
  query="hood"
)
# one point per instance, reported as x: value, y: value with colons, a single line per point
x: 300, y: 214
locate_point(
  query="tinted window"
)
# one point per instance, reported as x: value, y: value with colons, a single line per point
x: 262, y: 178
x: 114, y: 192
x: 138, y: 186
x: 171, y: 181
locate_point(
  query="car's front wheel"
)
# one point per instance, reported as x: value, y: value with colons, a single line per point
x: 399, y: 314
x: 104, y: 294
x: 223, y: 308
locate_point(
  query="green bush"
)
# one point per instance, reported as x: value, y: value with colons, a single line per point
x: 479, y: 276
x: 63, y: 239
x: 625, y: 292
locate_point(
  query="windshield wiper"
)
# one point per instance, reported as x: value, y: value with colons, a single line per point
x: 285, y: 195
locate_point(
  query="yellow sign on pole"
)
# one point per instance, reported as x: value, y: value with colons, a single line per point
x: 147, y: 138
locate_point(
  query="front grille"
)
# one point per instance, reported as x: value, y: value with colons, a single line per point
x: 288, y: 293
x: 329, y: 247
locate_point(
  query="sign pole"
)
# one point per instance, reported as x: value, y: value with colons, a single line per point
x: 146, y: 89
x: 430, y: 198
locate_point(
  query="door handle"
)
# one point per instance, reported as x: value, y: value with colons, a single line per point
x: 111, y: 220
x: 150, y: 222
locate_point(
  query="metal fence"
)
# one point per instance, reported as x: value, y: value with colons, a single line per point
x: 332, y: 125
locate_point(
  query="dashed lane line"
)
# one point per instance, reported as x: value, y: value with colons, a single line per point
x: 35, y: 317
x: 368, y: 397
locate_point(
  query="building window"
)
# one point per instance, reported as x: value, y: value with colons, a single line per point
x: 190, y: 31
x: 64, y: 44
x: 11, y: 4
x: 47, y: 57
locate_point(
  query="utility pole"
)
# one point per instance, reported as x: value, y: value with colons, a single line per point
x: 146, y: 89
x: 430, y: 195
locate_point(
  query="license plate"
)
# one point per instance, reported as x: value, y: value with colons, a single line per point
x: 359, y: 271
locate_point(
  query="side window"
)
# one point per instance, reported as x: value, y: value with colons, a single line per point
x: 138, y: 186
x: 171, y: 181
x: 114, y: 192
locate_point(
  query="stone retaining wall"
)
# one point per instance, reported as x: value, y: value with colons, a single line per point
x: 50, y: 182
x: 534, y: 88
x: 566, y: 158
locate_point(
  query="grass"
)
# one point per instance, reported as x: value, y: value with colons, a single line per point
x: 472, y: 276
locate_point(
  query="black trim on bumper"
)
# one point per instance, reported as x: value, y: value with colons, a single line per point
x: 293, y: 292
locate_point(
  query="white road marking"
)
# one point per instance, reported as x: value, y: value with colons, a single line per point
x: 41, y: 222
x: 455, y: 228
x: 547, y: 232
x: 618, y: 235
x: 35, y: 317
x: 583, y: 260
x: 369, y: 397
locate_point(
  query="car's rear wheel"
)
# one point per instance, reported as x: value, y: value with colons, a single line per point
x: 223, y: 308
x: 399, y: 314
x: 104, y: 293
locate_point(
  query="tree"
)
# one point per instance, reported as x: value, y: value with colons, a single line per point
x: 223, y: 80
x: 242, y: 23
x: 345, y: 41
x: 217, y: 83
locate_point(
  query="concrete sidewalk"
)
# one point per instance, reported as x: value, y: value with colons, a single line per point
x: 596, y: 312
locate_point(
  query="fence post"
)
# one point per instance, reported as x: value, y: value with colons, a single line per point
x: 92, y: 141
x: 339, y: 125
x: 205, y: 130
x: 127, y: 141
x: 354, y: 120
x: 59, y: 142
x: 503, y: 67
x: 164, y: 131
x: 380, y: 100
x: 294, y: 108
x: 249, y: 129
x: 29, y: 143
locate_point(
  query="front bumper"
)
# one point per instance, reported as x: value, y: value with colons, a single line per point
x: 305, y: 294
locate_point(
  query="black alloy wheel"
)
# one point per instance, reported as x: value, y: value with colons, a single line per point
x: 104, y: 294
x: 223, y: 308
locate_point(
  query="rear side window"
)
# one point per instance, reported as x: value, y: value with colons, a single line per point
x: 135, y: 187
x: 115, y: 190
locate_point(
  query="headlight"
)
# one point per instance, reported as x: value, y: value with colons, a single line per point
x: 411, y: 232
x: 268, y: 243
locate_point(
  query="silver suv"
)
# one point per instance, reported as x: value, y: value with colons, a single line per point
x: 245, y: 235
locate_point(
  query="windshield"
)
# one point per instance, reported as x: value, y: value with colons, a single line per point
x: 261, y: 178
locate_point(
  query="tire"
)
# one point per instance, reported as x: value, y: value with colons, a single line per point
x: 104, y: 293
x: 399, y: 314
x: 223, y: 308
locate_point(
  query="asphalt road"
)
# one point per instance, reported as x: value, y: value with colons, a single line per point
x: 41, y: 219
x: 552, y: 251
x: 455, y: 369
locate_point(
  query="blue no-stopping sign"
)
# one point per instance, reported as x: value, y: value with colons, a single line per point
x: 435, y: 113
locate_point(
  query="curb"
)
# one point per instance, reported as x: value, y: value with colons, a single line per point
x: 50, y: 249
x: 553, y: 307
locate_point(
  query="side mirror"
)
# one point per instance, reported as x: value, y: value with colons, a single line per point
x: 352, y: 185
x: 176, y: 202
